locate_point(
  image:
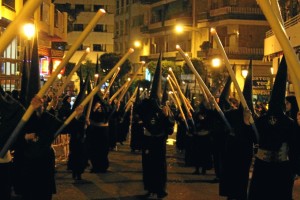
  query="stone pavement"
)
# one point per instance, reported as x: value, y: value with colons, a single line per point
x: 124, y: 180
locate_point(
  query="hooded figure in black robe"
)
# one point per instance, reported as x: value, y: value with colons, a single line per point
x: 77, y: 159
x: 137, y: 129
x: 218, y: 130
x: 34, y: 159
x: 97, y: 135
x: 238, y: 153
x: 10, y: 114
x: 201, y: 146
x: 158, y: 125
x: 277, y: 159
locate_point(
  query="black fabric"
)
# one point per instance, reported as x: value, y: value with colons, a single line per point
x: 277, y: 100
x: 65, y: 110
x: 155, y: 92
x: 78, y: 159
x: 275, y: 130
x: 97, y: 141
x: 34, y: 161
x: 5, y: 181
x: 137, y: 132
x: 150, y: 112
x: 24, y: 81
x: 201, y: 144
x: 11, y: 113
x: 34, y: 81
x: 45, y: 127
x: 224, y: 96
x: 154, y: 164
x: 237, y: 157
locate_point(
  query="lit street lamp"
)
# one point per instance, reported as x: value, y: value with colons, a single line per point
x: 137, y: 44
x: 29, y: 31
x: 244, y: 73
x: 216, y: 62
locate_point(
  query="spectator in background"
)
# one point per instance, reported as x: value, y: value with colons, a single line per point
x: 65, y: 110
x: 291, y: 107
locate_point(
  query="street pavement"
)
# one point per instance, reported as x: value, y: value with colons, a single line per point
x: 123, y: 181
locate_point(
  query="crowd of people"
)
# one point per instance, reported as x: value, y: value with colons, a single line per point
x: 202, y: 136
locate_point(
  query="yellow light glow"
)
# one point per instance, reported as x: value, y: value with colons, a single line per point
x: 216, y: 62
x: 137, y: 44
x: 29, y: 30
x: 244, y: 73
x: 179, y: 29
x: 272, y: 70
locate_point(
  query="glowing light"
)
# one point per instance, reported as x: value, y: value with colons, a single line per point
x: 216, y: 62
x: 29, y: 30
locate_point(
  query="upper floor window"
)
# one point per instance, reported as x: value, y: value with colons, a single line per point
x: 79, y: 7
x: 78, y: 27
x: 100, y: 28
x: 99, y: 47
x: 9, y: 3
x: 97, y: 7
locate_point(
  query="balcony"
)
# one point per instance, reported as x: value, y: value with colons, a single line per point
x: 235, y: 53
x: 149, y: 1
x: 9, y: 4
x: 237, y: 13
x: 292, y: 27
x: 52, y: 23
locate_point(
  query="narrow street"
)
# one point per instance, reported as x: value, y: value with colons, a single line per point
x: 124, y: 180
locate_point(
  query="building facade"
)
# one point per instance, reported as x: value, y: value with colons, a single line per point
x: 80, y: 12
x: 50, y: 28
x: 240, y: 24
x: 290, y: 12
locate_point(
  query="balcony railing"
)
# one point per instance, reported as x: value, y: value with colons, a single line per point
x: 235, y: 52
x: 244, y: 50
x: 289, y: 23
x: 235, y: 10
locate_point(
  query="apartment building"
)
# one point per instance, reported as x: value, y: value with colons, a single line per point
x: 80, y: 12
x: 240, y: 24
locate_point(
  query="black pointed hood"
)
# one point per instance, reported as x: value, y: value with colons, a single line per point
x: 24, y: 83
x: 97, y: 65
x: 187, y: 92
x: 155, y: 92
x: 83, y: 91
x: 137, y: 96
x: 80, y: 74
x: 34, y: 82
x: 277, y: 100
x: 165, y: 95
x: 112, y: 90
x: 224, y: 96
x: 247, y: 91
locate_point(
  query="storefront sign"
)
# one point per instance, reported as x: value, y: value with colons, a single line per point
x: 261, y: 83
